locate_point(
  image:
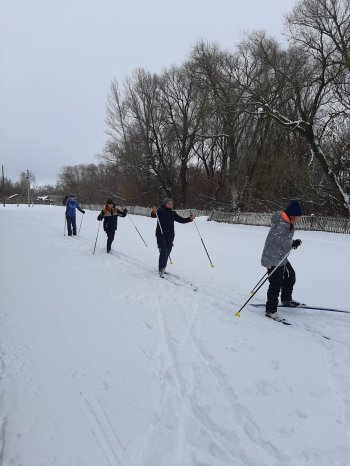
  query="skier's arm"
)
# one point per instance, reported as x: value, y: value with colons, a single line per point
x: 80, y: 209
x: 122, y: 213
x: 180, y: 219
x: 100, y: 216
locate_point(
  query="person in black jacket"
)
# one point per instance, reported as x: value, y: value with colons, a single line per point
x: 165, y: 232
x: 110, y: 215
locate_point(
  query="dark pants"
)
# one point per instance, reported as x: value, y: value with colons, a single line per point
x: 165, y: 246
x: 110, y: 238
x: 71, y: 222
x: 282, y: 279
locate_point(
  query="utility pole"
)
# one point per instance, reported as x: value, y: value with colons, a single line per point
x: 3, y: 184
x: 28, y: 181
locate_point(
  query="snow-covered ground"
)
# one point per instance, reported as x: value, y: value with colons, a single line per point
x: 103, y: 363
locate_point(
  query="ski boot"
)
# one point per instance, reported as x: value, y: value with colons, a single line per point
x: 291, y: 303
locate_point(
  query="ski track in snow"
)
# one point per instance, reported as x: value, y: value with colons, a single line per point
x: 104, y: 431
x: 187, y: 392
x: 223, y: 445
x: 187, y: 406
x: 220, y: 440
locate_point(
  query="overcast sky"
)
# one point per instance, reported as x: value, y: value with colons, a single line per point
x: 58, y: 57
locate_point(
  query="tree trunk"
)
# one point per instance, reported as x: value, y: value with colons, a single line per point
x: 341, y: 195
x: 183, y: 182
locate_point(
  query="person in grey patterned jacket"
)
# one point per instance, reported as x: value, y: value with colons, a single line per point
x: 278, y: 243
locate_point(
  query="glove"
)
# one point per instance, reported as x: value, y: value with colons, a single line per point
x: 125, y: 211
x: 296, y: 243
x: 83, y: 211
x: 100, y: 217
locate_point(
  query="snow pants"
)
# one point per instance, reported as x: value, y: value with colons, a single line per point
x: 71, y: 222
x: 282, y: 279
x: 165, y: 246
x: 110, y: 239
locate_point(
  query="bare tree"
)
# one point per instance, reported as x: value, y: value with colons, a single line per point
x: 325, y: 24
x: 184, y: 109
x: 225, y: 126
x: 295, y: 89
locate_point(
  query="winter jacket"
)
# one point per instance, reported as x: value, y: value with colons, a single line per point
x: 110, y: 217
x: 167, y: 217
x: 278, y: 241
x: 71, y: 206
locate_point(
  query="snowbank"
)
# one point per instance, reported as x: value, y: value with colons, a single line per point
x: 103, y: 363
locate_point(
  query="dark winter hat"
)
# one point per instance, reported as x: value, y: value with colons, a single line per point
x: 294, y: 209
x: 110, y: 201
x: 166, y: 200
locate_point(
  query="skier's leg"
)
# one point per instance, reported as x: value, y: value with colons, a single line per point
x: 108, y: 242
x: 169, y: 245
x: 74, y: 224
x: 288, y: 283
x: 110, y: 238
x: 163, y: 252
x: 273, y: 292
x: 69, y: 225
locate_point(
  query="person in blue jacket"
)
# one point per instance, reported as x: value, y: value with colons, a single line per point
x: 71, y: 206
x: 165, y: 231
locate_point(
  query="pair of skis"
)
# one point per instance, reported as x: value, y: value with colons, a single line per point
x: 302, y: 306
x: 305, y: 306
x: 178, y: 281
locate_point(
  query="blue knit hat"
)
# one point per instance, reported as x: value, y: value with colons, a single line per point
x: 294, y: 209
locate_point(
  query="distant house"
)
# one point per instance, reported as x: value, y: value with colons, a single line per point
x: 56, y: 197
x: 49, y: 199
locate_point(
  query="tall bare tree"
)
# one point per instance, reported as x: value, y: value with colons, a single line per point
x: 294, y: 87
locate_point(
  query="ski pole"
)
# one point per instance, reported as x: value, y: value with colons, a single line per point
x: 81, y: 221
x: 212, y: 265
x: 266, y: 273
x: 261, y: 279
x: 238, y: 313
x: 98, y: 230
x: 161, y: 229
x: 65, y: 223
x: 137, y: 230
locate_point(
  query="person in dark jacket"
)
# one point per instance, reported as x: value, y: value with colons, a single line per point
x: 165, y: 232
x: 71, y: 206
x: 278, y: 243
x: 110, y: 215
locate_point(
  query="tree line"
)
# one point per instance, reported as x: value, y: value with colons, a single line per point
x: 244, y: 129
x: 248, y: 128
x: 16, y: 189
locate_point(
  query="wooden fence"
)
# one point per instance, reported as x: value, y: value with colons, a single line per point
x: 307, y: 222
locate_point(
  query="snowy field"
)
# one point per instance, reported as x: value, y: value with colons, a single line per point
x: 104, y: 364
